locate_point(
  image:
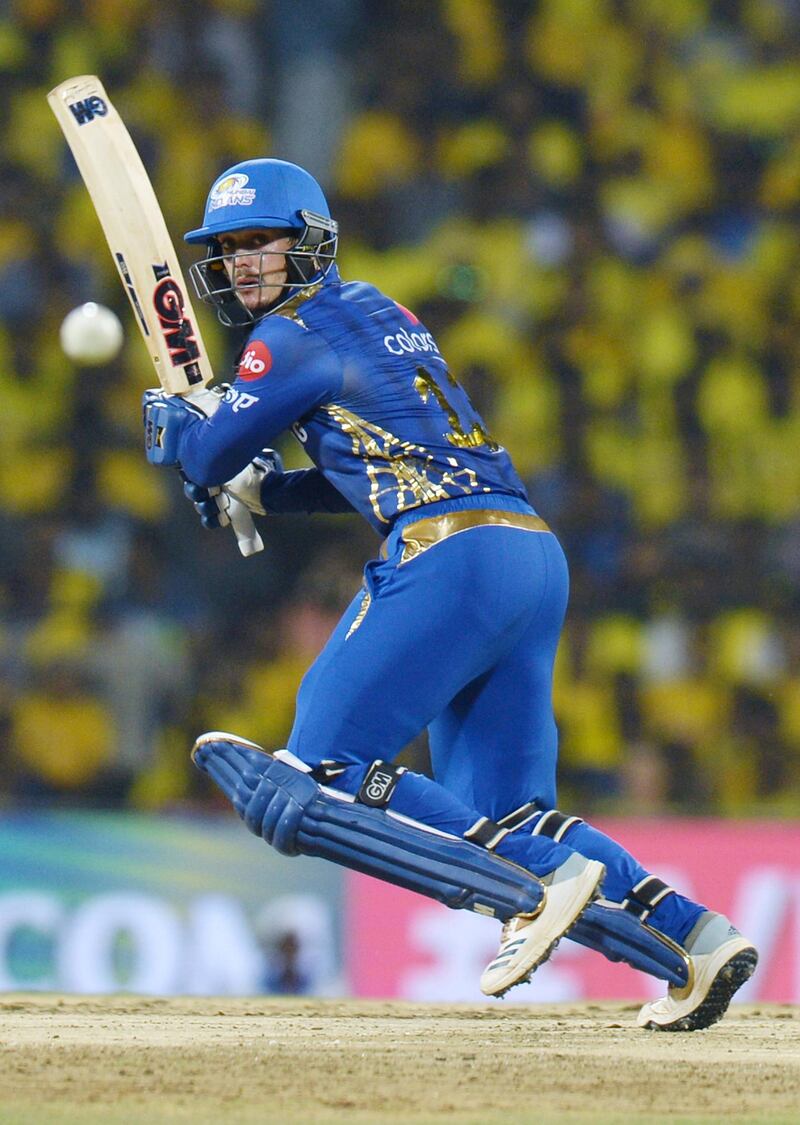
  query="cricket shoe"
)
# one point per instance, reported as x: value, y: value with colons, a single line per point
x: 529, y: 939
x: 720, y: 962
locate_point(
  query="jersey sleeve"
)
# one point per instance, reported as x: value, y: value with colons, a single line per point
x: 302, y: 490
x: 285, y: 372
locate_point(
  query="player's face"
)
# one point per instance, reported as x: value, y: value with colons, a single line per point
x: 256, y: 264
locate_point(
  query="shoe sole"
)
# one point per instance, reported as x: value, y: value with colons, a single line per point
x: 545, y: 956
x: 726, y: 984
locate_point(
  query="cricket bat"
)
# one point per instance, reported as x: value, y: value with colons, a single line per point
x: 142, y: 249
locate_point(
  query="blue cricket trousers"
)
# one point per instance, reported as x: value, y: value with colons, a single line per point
x: 456, y: 631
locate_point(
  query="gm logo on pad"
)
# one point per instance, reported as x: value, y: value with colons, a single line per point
x: 379, y: 784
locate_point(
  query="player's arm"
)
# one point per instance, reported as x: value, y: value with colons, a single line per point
x: 302, y: 490
x: 265, y: 489
x: 285, y: 373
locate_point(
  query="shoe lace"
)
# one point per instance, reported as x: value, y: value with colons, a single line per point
x: 509, y: 928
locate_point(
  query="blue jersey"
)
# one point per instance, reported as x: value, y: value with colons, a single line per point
x: 363, y: 386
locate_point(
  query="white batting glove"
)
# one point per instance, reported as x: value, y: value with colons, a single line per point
x: 246, y: 485
x: 213, y: 504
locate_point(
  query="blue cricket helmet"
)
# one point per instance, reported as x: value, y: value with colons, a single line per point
x: 260, y: 194
x: 264, y: 194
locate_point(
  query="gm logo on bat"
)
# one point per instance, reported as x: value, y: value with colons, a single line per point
x: 176, y: 328
x: 86, y: 110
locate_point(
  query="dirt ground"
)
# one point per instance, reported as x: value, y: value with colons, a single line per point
x: 131, y: 1060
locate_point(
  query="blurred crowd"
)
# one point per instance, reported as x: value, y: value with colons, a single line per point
x: 592, y: 204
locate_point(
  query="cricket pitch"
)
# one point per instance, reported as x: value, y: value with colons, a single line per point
x: 130, y: 1060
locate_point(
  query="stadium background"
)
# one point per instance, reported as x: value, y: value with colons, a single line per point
x: 592, y: 205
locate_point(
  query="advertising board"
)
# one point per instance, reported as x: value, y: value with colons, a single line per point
x: 401, y: 945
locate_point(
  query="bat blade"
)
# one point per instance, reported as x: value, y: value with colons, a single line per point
x: 134, y: 226
x: 130, y: 215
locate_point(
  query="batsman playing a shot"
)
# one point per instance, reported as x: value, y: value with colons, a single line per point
x: 455, y: 629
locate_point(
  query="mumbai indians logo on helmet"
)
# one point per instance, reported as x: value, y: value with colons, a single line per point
x: 231, y: 192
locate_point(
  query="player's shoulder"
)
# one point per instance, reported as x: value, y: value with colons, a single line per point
x: 375, y: 302
x: 363, y: 293
x: 279, y: 344
x: 331, y: 299
x: 280, y: 330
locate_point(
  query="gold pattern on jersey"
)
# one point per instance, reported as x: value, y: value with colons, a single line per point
x: 426, y: 385
x: 423, y: 534
x: 362, y: 613
x: 289, y: 310
x: 405, y: 474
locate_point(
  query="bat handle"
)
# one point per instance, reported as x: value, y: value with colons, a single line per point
x: 250, y: 542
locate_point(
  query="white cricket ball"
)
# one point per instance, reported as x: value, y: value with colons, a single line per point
x: 91, y: 334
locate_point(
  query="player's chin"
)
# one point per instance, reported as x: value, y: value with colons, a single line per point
x: 261, y: 298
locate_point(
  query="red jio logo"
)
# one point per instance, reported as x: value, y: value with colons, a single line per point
x: 255, y: 362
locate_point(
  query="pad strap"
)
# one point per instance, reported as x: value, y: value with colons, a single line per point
x: 554, y: 824
x: 617, y: 931
x: 488, y: 833
x: 380, y: 781
x: 328, y: 770
x: 519, y: 817
x: 645, y: 897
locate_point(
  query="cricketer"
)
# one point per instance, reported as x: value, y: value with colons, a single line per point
x: 455, y: 629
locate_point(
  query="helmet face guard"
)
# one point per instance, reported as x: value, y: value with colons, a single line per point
x: 307, y: 264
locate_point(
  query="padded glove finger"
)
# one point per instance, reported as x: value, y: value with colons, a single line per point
x: 207, y: 502
x: 197, y: 493
x: 210, y: 515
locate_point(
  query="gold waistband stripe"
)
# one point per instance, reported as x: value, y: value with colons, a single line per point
x: 422, y: 534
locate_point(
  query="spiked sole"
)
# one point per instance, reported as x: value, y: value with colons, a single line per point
x: 536, y: 956
x: 730, y: 978
x: 541, y: 960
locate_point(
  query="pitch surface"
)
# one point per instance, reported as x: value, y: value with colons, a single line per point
x: 70, y: 1060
